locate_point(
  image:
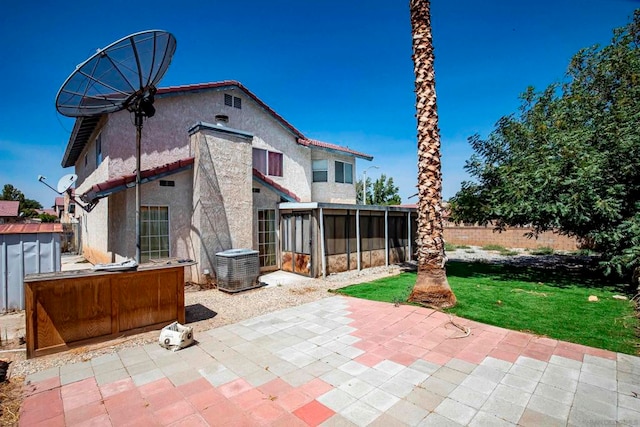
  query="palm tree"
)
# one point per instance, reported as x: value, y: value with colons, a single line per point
x: 432, y: 287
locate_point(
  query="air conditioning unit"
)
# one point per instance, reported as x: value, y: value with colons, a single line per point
x: 237, y: 270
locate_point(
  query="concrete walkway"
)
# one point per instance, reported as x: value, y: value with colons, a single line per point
x: 340, y: 362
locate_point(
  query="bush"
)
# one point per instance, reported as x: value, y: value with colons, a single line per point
x: 542, y: 251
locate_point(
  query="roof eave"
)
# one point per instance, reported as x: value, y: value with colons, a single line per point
x: 82, y: 126
x: 343, y: 153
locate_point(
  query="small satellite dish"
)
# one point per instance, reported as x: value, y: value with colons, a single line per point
x: 66, y: 182
x: 123, y: 75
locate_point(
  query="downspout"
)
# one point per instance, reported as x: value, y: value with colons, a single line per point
x: 409, y: 236
x: 358, y: 237
x: 322, y: 251
x: 386, y: 237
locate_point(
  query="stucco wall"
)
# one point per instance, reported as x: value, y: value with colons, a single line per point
x: 331, y: 191
x: 165, y: 138
x: 222, y: 197
x: 95, y: 236
x: 122, y: 215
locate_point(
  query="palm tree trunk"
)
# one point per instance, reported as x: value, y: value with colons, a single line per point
x: 432, y: 287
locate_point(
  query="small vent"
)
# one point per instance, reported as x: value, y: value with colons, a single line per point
x: 228, y: 100
x: 164, y: 183
x: 221, y: 118
x: 237, y: 102
x: 256, y: 190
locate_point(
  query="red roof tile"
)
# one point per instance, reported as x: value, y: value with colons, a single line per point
x: 59, y: 201
x: 30, y: 228
x: 273, y: 184
x: 9, y: 208
x: 125, y: 180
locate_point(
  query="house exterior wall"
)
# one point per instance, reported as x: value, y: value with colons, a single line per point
x: 222, y: 202
x: 95, y: 235
x: 331, y: 191
x: 167, y: 133
x: 199, y: 227
x: 122, y: 215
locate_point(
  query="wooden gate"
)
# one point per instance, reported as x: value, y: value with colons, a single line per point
x: 296, y: 243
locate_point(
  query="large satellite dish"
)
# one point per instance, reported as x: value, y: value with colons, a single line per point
x: 123, y: 75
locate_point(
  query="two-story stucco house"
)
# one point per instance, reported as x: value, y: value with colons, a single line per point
x: 218, y: 166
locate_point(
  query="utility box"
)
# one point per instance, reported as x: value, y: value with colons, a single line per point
x: 237, y: 270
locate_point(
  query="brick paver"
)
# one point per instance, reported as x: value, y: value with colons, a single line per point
x: 344, y: 361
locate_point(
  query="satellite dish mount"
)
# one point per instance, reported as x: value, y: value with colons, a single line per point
x: 64, y: 186
x: 122, y: 76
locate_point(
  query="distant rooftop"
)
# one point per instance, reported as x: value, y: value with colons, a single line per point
x: 9, y: 208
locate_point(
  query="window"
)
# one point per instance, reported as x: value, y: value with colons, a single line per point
x: 320, y: 170
x: 267, y: 237
x: 267, y: 162
x: 232, y: 101
x: 344, y: 172
x: 275, y: 164
x: 98, y: 150
x: 154, y: 232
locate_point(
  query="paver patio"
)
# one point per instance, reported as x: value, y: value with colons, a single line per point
x: 343, y: 361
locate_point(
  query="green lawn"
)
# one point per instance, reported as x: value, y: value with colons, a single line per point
x: 552, y: 303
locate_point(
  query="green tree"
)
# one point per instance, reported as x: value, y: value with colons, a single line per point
x: 45, y: 217
x: 27, y: 206
x: 380, y: 192
x: 569, y: 160
x: 9, y: 192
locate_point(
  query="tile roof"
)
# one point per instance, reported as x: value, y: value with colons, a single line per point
x: 84, y: 126
x: 105, y: 188
x: 59, y: 201
x: 9, y: 208
x: 333, y: 147
x: 287, y: 194
x: 24, y: 228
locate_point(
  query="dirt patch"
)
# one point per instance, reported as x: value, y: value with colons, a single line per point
x: 304, y: 290
x: 10, y: 401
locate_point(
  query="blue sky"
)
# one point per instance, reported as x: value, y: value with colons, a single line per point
x: 338, y: 70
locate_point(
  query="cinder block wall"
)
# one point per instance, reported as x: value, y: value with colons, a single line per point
x: 510, y: 238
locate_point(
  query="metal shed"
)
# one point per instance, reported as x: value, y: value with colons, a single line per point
x: 25, y: 249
